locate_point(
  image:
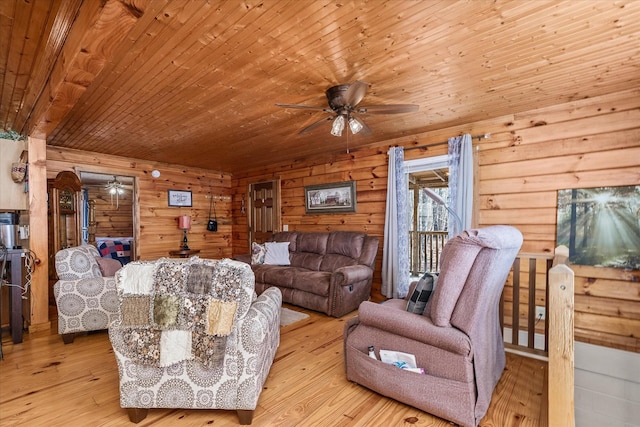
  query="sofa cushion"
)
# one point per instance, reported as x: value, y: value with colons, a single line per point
x: 315, y: 282
x: 108, y: 266
x: 286, y: 236
x: 315, y: 243
x: 422, y: 293
x: 306, y: 260
x: 258, y: 253
x: 458, y: 256
x: 277, y: 253
x: 332, y: 262
x: 274, y: 275
x: 347, y: 243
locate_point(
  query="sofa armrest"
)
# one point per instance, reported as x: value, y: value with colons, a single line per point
x: 413, y: 326
x: 266, y: 309
x: 259, y: 341
x: 348, y: 275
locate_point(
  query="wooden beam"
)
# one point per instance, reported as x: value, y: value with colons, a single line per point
x: 89, y: 46
x: 38, y: 242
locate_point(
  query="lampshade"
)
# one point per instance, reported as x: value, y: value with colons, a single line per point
x: 184, y: 222
x: 338, y: 126
x: 354, y: 125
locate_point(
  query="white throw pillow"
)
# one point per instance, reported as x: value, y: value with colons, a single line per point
x: 277, y: 253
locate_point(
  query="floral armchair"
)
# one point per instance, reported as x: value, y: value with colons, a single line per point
x: 85, y: 292
x: 193, y: 334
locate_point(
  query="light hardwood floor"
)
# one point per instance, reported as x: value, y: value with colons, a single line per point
x: 46, y: 383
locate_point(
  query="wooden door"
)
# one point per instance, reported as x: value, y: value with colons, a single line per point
x: 264, y: 210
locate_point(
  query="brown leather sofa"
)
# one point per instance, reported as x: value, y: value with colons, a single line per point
x: 330, y: 272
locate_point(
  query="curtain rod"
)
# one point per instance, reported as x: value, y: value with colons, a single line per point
x: 435, y: 144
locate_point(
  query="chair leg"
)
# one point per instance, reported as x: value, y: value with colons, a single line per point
x: 68, y: 338
x: 245, y: 416
x: 137, y: 414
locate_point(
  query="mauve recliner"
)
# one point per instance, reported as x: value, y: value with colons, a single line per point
x: 457, y: 340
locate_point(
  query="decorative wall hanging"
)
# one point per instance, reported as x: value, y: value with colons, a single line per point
x: 179, y: 198
x: 331, y: 198
x: 600, y: 226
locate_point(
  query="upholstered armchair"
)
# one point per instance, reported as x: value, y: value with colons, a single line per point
x: 85, y: 292
x: 457, y: 341
x: 193, y: 334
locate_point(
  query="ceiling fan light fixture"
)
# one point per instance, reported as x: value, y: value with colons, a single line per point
x: 354, y: 125
x: 338, y: 126
x: 115, y: 188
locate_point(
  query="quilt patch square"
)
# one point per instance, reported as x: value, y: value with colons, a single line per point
x: 136, y: 310
x: 142, y: 345
x: 175, y: 346
x: 194, y: 313
x: 209, y: 350
x: 199, y: 279
x: 220, y: 317
x: 169, y: 278
x: 166, y: 309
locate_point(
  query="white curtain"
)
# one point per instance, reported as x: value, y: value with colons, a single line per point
x: 395, y: 251
x: 460, y: 182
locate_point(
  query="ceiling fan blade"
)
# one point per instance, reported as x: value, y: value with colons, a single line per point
x: 301, y: 107
x: 388, y: 109
x: 355, y: 93
x: 314, y: 125
x: 366, y: 130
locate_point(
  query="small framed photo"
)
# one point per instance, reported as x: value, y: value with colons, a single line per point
x: 179, y: 198
x: 331, y: 198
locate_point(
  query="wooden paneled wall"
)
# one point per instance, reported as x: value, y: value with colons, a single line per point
x: 529, y: 157
x: 367, y: 167
x: 156, y: 231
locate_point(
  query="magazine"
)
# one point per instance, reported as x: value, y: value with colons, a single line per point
x: 401, y: 360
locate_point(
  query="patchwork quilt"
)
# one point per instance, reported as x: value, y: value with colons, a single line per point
x: 116, y: 249
x: 172, y: 310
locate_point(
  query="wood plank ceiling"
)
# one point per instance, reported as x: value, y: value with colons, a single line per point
x: 195, y: 82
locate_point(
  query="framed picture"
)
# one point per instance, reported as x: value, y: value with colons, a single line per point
x: 179, y: 198
x: 330, y: 198
x: 600, y: 226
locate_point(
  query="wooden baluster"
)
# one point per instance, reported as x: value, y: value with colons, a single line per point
x: 561, y: 342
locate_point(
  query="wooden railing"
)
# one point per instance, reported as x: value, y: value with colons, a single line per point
x: 425, y: 248
x: 545, y: 281
x: 561, y: 342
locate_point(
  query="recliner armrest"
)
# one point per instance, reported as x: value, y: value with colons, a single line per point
x: 413, y: 326
x: 350, y: 274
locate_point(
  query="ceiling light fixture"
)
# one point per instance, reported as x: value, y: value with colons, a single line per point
x: 115, y: 188
x: 338, y: 126
x: 354, y: 125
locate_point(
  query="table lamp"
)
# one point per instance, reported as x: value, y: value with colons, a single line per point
x: 184, y: 223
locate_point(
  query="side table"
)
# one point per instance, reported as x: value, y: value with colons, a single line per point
x: 14, y: 259
x: 184, y: 253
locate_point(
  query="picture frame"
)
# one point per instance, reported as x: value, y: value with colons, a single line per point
x: 336, y: 197
x: 599, y: 226
x: 179, y: 198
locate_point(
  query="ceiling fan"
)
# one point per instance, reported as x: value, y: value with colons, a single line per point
x: 343, y: 107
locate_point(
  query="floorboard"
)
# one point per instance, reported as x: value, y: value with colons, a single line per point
x: 44, y: 382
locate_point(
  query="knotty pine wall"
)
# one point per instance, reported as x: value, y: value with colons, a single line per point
x: 158, y: 228
x: 529, y: 157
